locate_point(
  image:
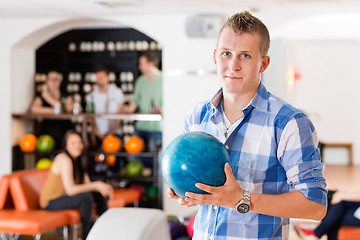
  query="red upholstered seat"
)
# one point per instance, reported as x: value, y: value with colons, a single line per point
x: 19, y: 205
x: 32, y: 222
x: 20, y: 212
x: 128, y: 195
x: 5, y: 198
x: 25, y: 188
x: 349, y: 233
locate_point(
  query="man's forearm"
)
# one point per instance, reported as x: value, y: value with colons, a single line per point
x: 288, y: 205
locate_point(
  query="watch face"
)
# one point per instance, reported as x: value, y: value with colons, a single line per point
x: 243, y: 208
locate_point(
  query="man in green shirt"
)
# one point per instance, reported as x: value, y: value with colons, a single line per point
x: 147, y: 98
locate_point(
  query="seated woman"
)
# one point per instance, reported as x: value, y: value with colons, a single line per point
x: 68, y: 186
x: 344, y: 210
x: 47, y: 102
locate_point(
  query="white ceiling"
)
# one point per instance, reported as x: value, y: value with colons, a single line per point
x: 93, y: 8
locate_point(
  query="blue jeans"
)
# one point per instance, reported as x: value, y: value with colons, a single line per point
x: 84, y: 202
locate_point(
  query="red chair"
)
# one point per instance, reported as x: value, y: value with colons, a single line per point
x: 5, y: 198
x: 25, y: 189
x: 34, y: 222
x: 124, y: 197
x: 349, y: 233
x: 20, y: 212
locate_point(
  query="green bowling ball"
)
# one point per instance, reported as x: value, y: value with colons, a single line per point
x: 45, y: 143
x: 134, y: 169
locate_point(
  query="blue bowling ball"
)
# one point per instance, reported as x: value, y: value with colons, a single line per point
x: 194, y: 157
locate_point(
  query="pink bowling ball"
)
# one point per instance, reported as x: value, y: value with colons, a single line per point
x: 190, y: 226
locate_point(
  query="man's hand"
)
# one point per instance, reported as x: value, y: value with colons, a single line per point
x: 180, y: 200
x: 227, y: 195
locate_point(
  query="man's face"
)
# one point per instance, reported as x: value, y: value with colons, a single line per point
x: 144, y: 65
x: 239, y: 62
x: 102, y: 79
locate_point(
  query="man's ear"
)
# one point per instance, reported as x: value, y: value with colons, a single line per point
x: 264, y: 63
x: 214, y: 56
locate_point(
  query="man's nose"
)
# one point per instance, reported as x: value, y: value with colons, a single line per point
x: 235, y: 64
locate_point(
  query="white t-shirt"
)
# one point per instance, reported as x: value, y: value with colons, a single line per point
x: 105, y: 103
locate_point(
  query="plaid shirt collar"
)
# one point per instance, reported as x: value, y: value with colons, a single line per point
x: 260, y: 101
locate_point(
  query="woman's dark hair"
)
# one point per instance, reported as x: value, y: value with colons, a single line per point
x: 78, y: 169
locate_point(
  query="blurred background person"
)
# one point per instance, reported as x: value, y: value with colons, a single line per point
x: 106, y: 98
x: 147, y: 98
x: 51, y: 101
x: 68, y: 185
x: 343, y: 210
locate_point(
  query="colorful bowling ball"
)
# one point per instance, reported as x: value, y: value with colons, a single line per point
x: 110, y: 160
x: 28, y: 143
x: 43, y: 163
x: 99, y: 157
x: 45, y: 143
x: 134, y: 145
x: 152, y: 193
x: 191, y: 158
x: 111, y: 144
x: 140, y: 189
x: 190, y: 226
x: 177, y: 229
x: 134, y: 169
x: 100, y: 168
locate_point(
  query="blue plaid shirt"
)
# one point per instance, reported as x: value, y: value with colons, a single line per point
x: 272, y: 151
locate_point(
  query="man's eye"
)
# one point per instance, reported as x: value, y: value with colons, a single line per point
x: 245, y: 55
x: 226, y: 53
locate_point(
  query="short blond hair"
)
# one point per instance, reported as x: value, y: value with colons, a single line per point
x: 244, y: 22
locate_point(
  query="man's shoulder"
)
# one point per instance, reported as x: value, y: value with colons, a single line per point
x: 113, y: 89
x: 94, y: 91
x: 140, y: 79
x: 159, y: 76
x: 283, y: 112
x: 199, y: 111
x: 199, y: 107
x: 282, y: 108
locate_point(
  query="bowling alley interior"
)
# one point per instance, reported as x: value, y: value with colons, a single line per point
x: 59, y: 111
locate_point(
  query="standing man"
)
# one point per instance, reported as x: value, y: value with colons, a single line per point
x: 106, y: 98
x: 147, y: 98
x: 274, y: 171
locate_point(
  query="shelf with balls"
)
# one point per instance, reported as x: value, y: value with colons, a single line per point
x: 128, y: 166
x: 37, y: 151
x: 122, y: 169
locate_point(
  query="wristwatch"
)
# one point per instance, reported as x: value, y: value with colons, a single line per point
x: 243, y: 206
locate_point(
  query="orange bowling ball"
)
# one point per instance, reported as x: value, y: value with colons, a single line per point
x: 134, y: 144
x: 110, y: 160
x: 111, y: 144
x: 28, y: 143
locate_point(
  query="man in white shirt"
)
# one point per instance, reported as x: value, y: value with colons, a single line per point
x: 106, y: 98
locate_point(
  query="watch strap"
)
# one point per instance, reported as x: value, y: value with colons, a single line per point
x: 246, y: 197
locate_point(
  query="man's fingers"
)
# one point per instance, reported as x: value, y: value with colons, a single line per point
x: 204, y: 187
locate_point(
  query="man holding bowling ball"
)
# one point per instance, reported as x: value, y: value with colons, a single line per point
x: 275, y: 171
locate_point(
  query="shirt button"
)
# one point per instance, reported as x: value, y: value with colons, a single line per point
x: 227, y: 146
x: 211, y: 237
x: 215, y: 208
